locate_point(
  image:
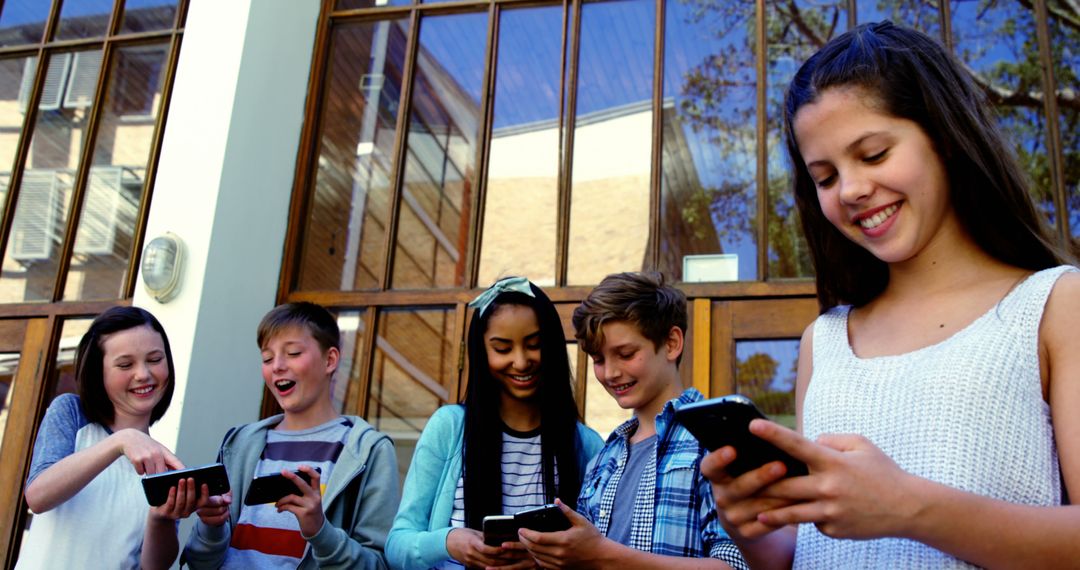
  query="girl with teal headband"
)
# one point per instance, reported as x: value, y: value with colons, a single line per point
x: 517, y: 431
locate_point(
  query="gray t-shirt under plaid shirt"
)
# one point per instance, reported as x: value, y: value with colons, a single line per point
x: 622, y: 512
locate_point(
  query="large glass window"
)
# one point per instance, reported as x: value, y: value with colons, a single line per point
x: 440, y: 155
x: 1065, y: 47
x: 609, y: 197
x: 349, y: 209
x: 765, y: 373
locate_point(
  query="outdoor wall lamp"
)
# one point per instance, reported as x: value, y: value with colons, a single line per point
x: 162, y: 263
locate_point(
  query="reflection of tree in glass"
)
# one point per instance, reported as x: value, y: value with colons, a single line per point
x: 1004, y: 62
x: 755, y: 378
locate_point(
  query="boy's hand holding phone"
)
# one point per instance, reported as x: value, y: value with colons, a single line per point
x: 213, y: 510
x: 307, y: 506
x: 581, y: 546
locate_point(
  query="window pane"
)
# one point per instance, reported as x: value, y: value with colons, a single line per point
x: 1000, y: 49
x: 795, y: 31
x: 521, y: 201
x: 351, y: 324
x: 765, y: 373
x: 148, y: 15
x: 354, y: 4
x: 84, y: 19
x: 1065, y: 50
x: 918, y: 14
x: 23, y: 21
x: 602, y: 412
x: 414, y: 371
x: 349, y: 208
x: 41, y: 213
x: 440, y: 156
x: 709, y: 182
x: 110, y: 209
x: 16, y: 79
x: 12, y: 334
x: 609, y: 197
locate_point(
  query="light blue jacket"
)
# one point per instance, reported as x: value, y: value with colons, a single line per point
x: 417, y: 540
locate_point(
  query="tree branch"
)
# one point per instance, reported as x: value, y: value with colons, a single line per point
x: 1066, y: 98
x: 1068, y: 15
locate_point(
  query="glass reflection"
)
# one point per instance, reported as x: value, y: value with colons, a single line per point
x: 117, y: 178
x: 765, y: 372
x: 609, y: 197
x: 521, y: 200
x: 148, y: 15
x: 22, y: 21
x: 355, y: 4
x: 16, y: 80
x: 349, y: 207
x: 709, y: 181
x: 919, y: 14
x: 1001, y: 52
x: 444, y: 122
x: 795, y: 30
x: 1065, y: 51
x: 351, y: 325
x: 414, y: 371
x: 84, y: 19
x: 41, y: 212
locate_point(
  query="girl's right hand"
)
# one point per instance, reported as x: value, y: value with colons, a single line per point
x: 467, y: 547
x: 740, y: 500
x: 147, y: 455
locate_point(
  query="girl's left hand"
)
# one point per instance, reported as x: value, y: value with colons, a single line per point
x: 183, y: 500
x: 853, y: 490
x: 307, y: 506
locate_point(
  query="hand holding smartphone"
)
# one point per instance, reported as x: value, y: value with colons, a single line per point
x: 726, y: 421
x: 504, y: 528
x: 271, y: 488
x: 157, y: 486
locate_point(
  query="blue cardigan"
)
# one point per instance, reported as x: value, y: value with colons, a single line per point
x: 417, y: 540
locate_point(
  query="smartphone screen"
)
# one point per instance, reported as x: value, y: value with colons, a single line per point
x: 726, y: 421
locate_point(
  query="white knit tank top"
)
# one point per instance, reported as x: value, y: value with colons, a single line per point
x: 967, y: 412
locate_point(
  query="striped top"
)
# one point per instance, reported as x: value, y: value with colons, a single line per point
x: 522, y: 479
x: 263, y: 537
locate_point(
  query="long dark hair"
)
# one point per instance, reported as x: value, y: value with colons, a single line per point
x: 913, y: 77
x: 482, y: 446
x: 90, y: 363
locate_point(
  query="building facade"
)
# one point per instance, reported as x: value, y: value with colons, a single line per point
x: 389, y: 159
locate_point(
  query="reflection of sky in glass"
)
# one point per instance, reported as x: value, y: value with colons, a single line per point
x: 709, y: 76
x: 17, y: 12
x: 918, y: 14
x: 530, y: 51
x: 451, y: 41
x: 616, y: 60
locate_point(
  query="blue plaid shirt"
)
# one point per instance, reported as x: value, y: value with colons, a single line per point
x: 674, y: 512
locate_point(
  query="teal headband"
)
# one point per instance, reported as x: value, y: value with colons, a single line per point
x: 515, y: 284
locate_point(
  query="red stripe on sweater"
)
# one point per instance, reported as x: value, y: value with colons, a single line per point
x: 274, y: 541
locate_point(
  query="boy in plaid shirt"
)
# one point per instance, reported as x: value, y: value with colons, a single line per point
x: 644, y: 502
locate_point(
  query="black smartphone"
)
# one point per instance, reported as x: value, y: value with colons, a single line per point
x: 499, y: 529
x: 157, y: 486
x: 548, y: 518
x: 271, y: 488
x: 726, y: 421
x: 504, y: 528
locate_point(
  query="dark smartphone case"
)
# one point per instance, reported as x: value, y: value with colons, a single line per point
x: 548, y: 518
x: 271, y: 488
x: 726, y: 421
x: 157, y: 486
x: 499, y: 529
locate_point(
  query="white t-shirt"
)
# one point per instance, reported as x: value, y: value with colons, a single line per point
x: 102, y: 525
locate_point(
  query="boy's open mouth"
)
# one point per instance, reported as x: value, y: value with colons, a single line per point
x: 284, y: 385
x: 621, y: 389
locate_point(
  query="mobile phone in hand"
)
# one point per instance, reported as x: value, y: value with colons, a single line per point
x: 504, y: 528
x: 726, y: 421
x: 272, y: 488
x: 499, y: 529
x: 157, y: 486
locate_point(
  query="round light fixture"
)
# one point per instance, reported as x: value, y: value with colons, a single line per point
x: 162, y: 263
